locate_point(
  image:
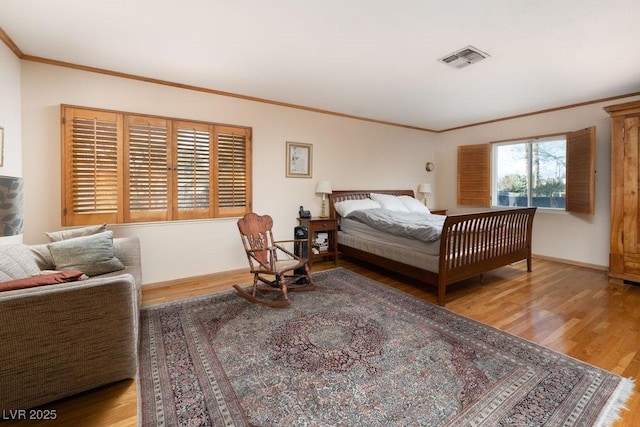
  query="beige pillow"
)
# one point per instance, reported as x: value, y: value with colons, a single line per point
x: 56, y: 236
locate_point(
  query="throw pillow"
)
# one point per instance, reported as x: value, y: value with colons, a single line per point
x: 345, y: 207
x: 389, y: 202
x: 414, y: 205
x: 16, y: 262
x: 93, y: 255
x: 42, y: 280
x: 56, y: 236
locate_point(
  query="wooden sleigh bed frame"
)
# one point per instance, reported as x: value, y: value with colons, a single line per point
x: 470, y: 244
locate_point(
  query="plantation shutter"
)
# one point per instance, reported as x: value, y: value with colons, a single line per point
x: 92, y: 158
x: 122, y: 168
x: 581, y: 171
x: 474, y: 175
x: 232, y: 178
x: 147, y: 177
x: 192, y: 171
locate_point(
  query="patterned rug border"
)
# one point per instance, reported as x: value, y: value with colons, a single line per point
x: 615, y: 405
x: 612, y: 408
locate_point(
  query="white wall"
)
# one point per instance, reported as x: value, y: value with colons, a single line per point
x: 10, y: 119
x: 352, y: 154
x: 579, y: 238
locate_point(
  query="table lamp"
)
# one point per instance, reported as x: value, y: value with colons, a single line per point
x: 424, y: 189
x: 324, y: 188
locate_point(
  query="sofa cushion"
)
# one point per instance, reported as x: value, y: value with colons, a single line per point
x: 93, y: 255
x: 42, y: 280
x: 56, y: 236
x: 16, y: 262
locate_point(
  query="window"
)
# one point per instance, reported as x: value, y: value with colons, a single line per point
x: 121, y: 168
x: 555, y: 172
x: 530, y: 173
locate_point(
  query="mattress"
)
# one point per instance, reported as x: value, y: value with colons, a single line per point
x: 407, y: 251
x: 358, y: 229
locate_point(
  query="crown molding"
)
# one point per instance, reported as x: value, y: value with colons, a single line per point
x: 16, y: 50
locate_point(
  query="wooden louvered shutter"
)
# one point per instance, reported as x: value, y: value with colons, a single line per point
x: 92, y: 156
x: 122, y: 168
x: 233, y: 153
x: 193, y: 180
x: 147, y: 175
x: 474, y: 175
x: 581, y: 171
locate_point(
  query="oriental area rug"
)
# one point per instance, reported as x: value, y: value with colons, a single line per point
x: 355, y: 353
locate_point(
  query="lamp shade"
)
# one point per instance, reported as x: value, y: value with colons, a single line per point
x: 424, y: 188
x: 11, y: 205
x: 323, y: 187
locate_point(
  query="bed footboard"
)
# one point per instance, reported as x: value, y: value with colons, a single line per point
x: 472, y: 244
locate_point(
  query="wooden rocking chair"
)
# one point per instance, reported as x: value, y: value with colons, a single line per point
x: 268, y: 258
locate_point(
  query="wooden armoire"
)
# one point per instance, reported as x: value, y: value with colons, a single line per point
x: 624, y: 255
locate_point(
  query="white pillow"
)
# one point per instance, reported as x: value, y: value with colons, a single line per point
x: 16, y: 262
x: 414, y: 205
x: 379, y: 197
x: 389, y: 202
x: 345, y: 207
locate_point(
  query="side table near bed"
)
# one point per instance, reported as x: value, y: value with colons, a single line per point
x: 438, y: 211
x: 320, y: 249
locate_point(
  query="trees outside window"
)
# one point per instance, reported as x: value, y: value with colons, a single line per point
x: 530, y: 173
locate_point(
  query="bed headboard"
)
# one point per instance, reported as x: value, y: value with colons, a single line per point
x: 337, y: 196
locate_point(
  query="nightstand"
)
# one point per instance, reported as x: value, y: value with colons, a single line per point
x: 323, y: 238
x: 438, y: 211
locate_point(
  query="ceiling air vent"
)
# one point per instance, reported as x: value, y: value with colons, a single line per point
x: 463, y: 57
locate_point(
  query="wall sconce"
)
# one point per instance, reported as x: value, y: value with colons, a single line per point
x: 424, y: 189
x: 323, y: 187
x: 429, y: 166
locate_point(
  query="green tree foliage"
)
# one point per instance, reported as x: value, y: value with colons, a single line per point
x: 513, y: 183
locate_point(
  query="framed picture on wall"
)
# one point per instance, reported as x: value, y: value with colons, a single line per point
x: 1, y: 146
x: 299, y: 160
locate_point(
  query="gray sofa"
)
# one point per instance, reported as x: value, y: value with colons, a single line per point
x: 60, y: 340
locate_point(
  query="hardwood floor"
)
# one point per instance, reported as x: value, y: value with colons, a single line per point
x: 571, y: 309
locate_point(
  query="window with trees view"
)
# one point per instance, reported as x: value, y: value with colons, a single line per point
x: 122, y: 168
x: 555, y: 172
x: 530, y: 173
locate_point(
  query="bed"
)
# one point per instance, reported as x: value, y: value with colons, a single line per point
x: 469, y: 244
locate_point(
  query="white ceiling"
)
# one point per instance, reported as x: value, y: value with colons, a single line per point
x: 375, y: 59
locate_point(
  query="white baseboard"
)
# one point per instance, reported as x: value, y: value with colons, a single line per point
x: 571, y: 262
x: 218, y: 275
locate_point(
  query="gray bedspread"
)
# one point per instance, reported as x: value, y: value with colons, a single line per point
x: 419, y: 226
